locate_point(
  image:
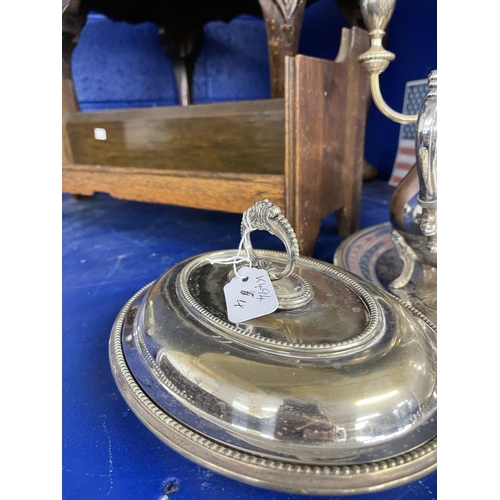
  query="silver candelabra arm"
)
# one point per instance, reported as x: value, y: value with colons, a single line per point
x: 414, y: 217
x: 376, y: 15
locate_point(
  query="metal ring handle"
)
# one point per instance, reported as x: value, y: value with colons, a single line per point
x: 266, y: 216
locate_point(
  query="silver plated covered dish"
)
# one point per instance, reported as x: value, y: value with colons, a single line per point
x: 332, y: 393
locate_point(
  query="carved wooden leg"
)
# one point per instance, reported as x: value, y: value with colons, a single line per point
x: 283, y: 19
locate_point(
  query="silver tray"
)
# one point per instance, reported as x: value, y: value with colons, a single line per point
x: 370, y: 254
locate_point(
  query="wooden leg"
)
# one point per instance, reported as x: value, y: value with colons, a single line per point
x: 283, y: 19
x: 307, y: 233
x: 369, y: 171
x: 182, y: 49
x: 347, y: 219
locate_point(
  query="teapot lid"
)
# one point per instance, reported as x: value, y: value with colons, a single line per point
x: 332, y: 393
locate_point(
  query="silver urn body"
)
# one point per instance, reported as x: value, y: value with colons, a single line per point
x: 413, y: 206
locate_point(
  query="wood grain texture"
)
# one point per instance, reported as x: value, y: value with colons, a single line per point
x: 69, y: 104
x: 244, y: 137
x: 283, y: 20
x: 212, y: 191
x: 325, y: 132
x: 351, y: 133
x: 72, y: 24
x: 304, y: 152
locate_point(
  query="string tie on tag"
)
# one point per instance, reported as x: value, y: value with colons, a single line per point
x: 237, y: 259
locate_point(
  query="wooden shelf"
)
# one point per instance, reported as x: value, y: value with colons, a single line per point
x: 304, y: 152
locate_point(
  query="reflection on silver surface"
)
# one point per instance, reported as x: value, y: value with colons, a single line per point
x: 300, y: 385
x: 341, y: 384
x: 414, y: 218
x: 292, y: 290
x: 413, y: 208
x: 371, y: 254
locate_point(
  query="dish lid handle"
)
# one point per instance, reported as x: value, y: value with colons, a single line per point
x: 266, y: 216
x: 292, y: 290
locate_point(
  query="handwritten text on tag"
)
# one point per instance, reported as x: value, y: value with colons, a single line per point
x: 250, y: 297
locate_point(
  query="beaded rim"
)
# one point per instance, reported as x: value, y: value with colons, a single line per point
x: 379, y: 475
x: 229, y: 328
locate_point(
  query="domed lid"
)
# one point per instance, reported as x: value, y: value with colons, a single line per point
x: 340, y: 374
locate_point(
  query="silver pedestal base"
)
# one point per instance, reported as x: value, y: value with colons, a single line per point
x: 370, y: 254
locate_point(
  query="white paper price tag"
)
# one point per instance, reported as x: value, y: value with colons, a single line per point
x: 250, y: 297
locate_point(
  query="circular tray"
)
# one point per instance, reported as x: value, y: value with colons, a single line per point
x: 370, y: 254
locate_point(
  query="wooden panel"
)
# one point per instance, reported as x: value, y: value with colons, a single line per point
x: 212, y: 191
x: 326, y: 104
x: 348, y: 168
x: 69, y: 103
x: 72, y: 24
x: 241, y: 137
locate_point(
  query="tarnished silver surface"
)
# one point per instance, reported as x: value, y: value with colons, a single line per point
x: 252, y: 468
x: 413, y: 207
x: 296, y: 400
x: 266, y: 216
x: 376, y: 16
x: 426, y: 151
x: 371, y: 254
x: 377, y: 13
x: 413, y: 214
x: 291, y: 290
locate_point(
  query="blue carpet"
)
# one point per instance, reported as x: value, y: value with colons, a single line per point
x: 111, y: 249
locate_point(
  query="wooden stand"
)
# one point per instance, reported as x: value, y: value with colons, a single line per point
x: 303, y: 152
